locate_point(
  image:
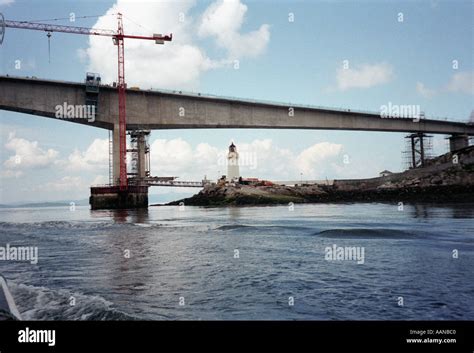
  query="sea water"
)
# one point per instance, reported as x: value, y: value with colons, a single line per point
x: 245, y: 263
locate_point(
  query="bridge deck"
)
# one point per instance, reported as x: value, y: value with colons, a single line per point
x: 150, y: 109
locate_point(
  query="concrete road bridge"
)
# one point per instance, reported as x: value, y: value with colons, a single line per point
x: 159, y: 109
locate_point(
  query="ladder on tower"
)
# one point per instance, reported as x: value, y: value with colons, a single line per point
x: 111, y: 158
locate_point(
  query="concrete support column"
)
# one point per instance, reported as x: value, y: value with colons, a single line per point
x: 141, y: 146
x: 457, y: 142
x: 116, y: 154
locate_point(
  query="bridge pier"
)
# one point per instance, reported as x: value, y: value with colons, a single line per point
x: 458, y: 141
x: 111, y: 197
x: 136, y: 195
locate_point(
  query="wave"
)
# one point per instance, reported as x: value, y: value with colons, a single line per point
x: 233, y: 226
x: 79, y: 225
x: 55, y: 225
x: 41, y: 303
x: 369, y: 233
x: 261, y: 227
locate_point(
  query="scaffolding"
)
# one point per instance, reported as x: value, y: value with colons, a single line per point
x: 418, y: 150
x: 140, y: 154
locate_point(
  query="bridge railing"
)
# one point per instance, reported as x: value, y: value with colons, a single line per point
x: 295, y: 105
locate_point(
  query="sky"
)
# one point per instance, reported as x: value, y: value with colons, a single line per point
x: 358, y: 55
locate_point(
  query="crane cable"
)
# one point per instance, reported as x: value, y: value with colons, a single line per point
x: 49, y: 47
x: 60, y: 19
x: 80, y: 17
x: 136, y: 23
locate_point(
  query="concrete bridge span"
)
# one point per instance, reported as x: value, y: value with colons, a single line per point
x: 148, y: 109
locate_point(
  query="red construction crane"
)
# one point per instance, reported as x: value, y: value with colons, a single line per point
x: 118, y: 39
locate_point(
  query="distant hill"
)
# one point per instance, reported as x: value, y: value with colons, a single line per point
x: 46, y: 204
x: 168, y: 197
x: 152, y: 199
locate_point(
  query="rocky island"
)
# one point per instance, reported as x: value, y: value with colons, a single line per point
x: 449, y: 177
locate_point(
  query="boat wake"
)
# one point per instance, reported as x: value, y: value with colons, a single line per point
x: 41, y: 303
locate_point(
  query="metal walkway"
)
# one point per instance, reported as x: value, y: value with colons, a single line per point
x: 167, y: 181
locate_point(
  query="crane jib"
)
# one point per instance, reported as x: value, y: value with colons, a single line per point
x: 78, y: 30
x: 58, y: 28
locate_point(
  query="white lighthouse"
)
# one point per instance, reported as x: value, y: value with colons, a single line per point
x: 232, y: 163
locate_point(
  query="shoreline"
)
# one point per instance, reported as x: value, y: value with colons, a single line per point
x: 433, y: 203
x: 433, y: 195
x: 440, y: 180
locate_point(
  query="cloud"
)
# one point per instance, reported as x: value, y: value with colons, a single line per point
x: 6, y: 2
x: 364, y: 76
x: 169, y: 157
x: 174, y: 64
x: 28, y: 154
x: 424, y: 91
x: 177, y: 64
x: 223, y: 21
x: 314, y: 159
x: 462, y: 82
x: 66, y: 184
x: 100, y: 180
x: 177, y: 157
x: 262, y: 159
x: 62, y: 188
x: 259, y: 158
x: 8, y: 173
x: 95, y: 156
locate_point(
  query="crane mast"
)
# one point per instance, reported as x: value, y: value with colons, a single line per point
x: 121, y: 98
x: 118, y: 38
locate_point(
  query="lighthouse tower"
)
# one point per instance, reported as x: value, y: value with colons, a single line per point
x: 233, y: 163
